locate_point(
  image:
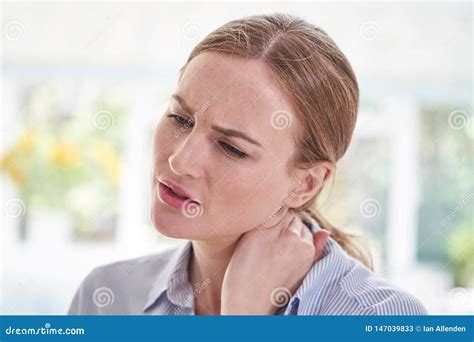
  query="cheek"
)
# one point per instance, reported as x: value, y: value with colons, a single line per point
x: 163, y: 141
x: 159, y: 137
x: 245, y: 200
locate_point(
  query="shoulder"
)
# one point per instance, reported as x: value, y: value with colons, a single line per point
x: 374, y: 295
x: 118, y: 287
x: 129, y: 267
x: 341, y: 285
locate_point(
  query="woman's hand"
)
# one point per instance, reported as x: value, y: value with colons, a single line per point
x: 268, y: 265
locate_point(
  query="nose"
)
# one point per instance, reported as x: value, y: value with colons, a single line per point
x: 185, y: 159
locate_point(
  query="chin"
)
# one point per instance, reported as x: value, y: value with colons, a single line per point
x: 169, y: 231
x: 173, y: 224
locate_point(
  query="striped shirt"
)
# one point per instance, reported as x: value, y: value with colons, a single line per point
x: 158, y: 284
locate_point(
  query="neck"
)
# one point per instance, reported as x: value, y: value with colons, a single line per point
x: 207, y: 268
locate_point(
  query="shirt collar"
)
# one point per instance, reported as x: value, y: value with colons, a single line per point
x: 175, y: 282
x: 173, y: 279
x: 323, y: 276
x: 307, y: 283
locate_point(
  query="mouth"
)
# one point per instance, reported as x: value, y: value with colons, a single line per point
x: 172, y: 198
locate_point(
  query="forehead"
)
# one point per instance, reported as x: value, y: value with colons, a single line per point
x: 240, y: 93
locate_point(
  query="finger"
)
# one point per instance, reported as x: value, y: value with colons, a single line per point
x: 307, y: 234
x: 296, y: 226
x: 320, y: 239
x: 287, y: 224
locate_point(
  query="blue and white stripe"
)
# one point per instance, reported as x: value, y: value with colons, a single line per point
x: 157, y: 284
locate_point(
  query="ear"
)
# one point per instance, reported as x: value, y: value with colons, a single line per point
x: 311, y: 181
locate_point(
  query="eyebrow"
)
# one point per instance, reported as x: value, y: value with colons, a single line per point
x: 234, y: 133
x: 183, y: 104
x: 226, y: 131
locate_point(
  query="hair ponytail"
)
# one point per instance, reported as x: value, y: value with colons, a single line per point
x: 349, y: 242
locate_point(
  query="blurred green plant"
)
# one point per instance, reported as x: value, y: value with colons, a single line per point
x: 67, y: 164
x: 460, y: 250
x: 445, y: 173
x: 45, y: 166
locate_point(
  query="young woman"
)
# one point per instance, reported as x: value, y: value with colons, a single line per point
x: 264, y: 108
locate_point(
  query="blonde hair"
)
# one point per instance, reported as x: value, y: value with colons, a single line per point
x: 319, y: 82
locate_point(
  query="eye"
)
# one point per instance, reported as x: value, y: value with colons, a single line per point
x: 232, y: 150
x: 229, y: 149
x: 181, y: 121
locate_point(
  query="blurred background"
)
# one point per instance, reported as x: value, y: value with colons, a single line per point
x: 84, y: 84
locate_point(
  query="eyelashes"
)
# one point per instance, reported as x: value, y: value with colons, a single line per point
x: 234, y: 151
x: 229, y: 149
x: 180, y: 120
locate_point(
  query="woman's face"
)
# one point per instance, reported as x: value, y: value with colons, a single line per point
x: 239, y: 182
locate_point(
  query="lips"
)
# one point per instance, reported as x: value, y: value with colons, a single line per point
x: 177, y: 194
x: 177, y: 190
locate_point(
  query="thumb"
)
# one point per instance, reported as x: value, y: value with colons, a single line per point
x: 320, y: 238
